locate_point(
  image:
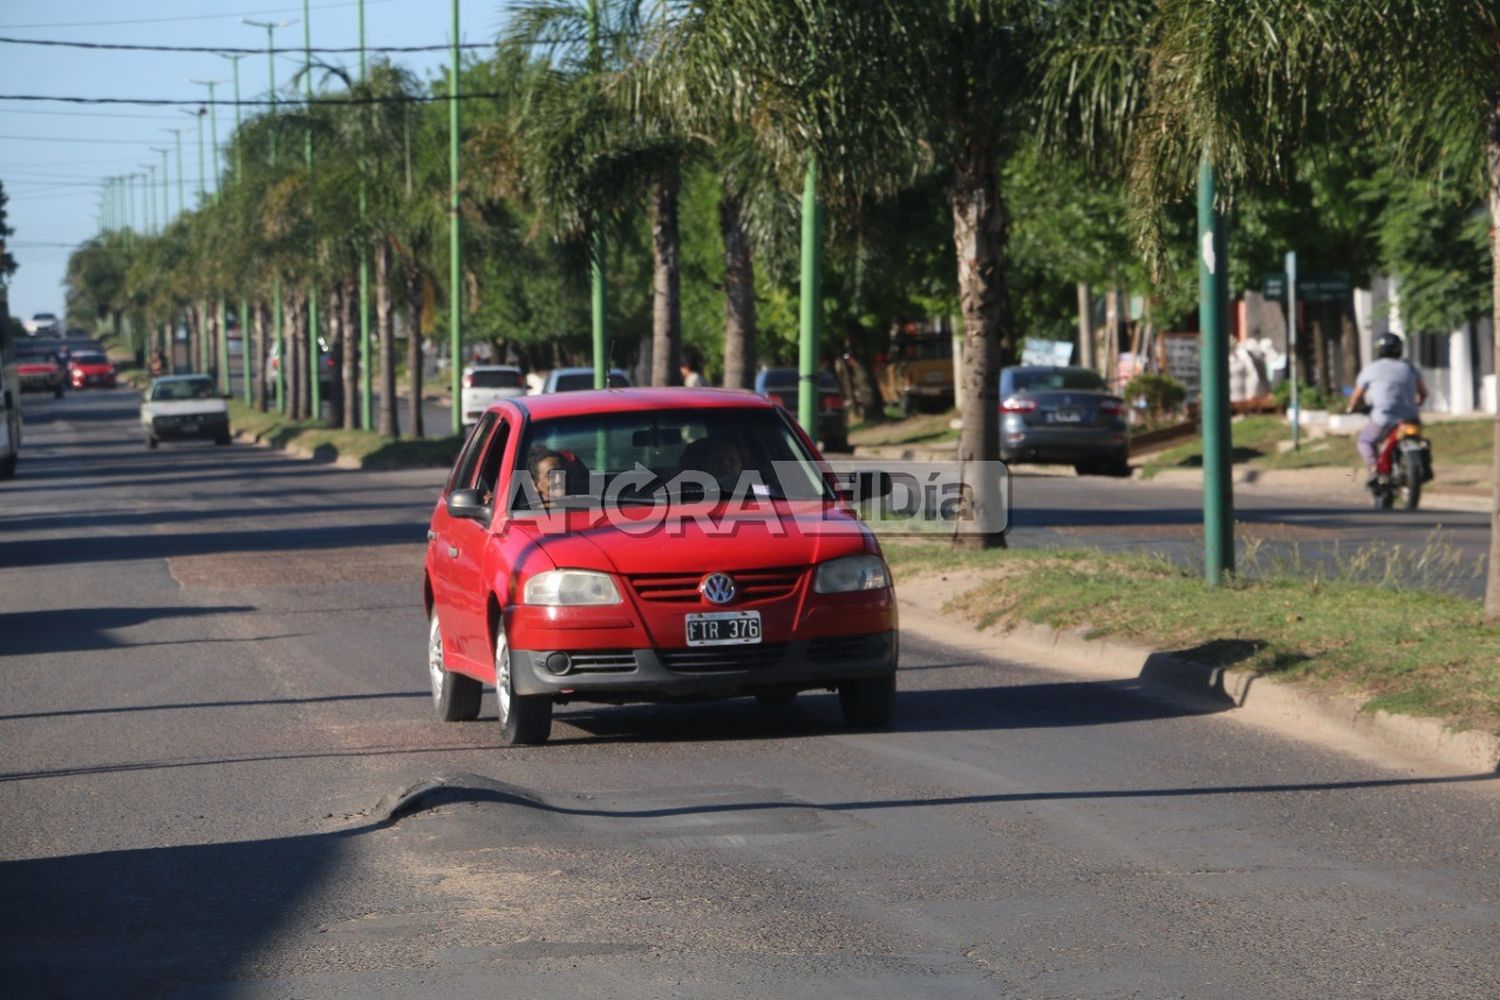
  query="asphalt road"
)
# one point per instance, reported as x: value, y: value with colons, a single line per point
x: 213, y: 691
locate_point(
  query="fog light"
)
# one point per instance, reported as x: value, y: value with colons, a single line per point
x: 558, y: 663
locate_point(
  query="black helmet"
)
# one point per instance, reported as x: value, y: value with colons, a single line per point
x: 1389, y: 346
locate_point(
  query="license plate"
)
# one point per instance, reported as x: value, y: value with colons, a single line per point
x: 1067, y: 416
x: 723, y: 628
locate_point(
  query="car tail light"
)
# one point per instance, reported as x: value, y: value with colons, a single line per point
x: 831, y: 402
x: 1114, y: 407
x: 468, y: 381
x: 1018, y: 404
x: 780, y: 400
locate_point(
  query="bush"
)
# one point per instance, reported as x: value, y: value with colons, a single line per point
x: 1309, y: 397
x: 1161, y: 393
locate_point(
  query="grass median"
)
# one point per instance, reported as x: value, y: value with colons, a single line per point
x: 1401, y: 650
x: 365, y: 448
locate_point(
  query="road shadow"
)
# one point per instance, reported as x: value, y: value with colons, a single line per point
x: 235, y: 703
x: 32, y: 633
x: 127, y: 548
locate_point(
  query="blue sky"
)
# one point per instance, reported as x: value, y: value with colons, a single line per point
x: 53, y: 157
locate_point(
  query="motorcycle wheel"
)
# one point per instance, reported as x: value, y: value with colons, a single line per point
x: 1411, y: 490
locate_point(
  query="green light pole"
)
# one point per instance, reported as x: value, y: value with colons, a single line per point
x: 223, y: 339
x: 365, y: 387
x: 150, y: 196
x: 315, y: 358
x: 166, y: 206
x: 271, y: 27
x: 596, y: 241
x: 1213, y: 307
x: 812, y: 273
x: 455, y: 276
x: 247, y: 368
x: 198, y: 118
x: 181, y: 188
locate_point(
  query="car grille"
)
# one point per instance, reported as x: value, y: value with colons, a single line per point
x: 750, y: 585
x: 723, y: 658
x: 603, y: 661
x: 850, y: 648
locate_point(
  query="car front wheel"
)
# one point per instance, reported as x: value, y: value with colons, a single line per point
x: 525, y: 720
x: 455, y: 697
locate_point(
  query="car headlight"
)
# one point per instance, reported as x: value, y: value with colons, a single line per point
x: 567, y: 587
x: 852, y: 573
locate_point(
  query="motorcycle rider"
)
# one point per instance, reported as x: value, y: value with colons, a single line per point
x: 1394, y: 390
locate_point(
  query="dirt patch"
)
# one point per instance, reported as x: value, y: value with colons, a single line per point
x: 298, y: 567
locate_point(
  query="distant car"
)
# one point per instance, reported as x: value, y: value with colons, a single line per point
x: 182, y: 407
x: 485, y: 385
x: 1062, y: 415
x: 534, y: 585
x: 38, y: 367
x: 578, y: 379
x: 91, y: 368
x: 325, y: 368
x: 780, y: 386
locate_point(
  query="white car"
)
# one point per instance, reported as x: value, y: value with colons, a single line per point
x: 485, y: 385
x: 179, y: 407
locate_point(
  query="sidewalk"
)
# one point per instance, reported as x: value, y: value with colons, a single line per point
x: 1454, y: 487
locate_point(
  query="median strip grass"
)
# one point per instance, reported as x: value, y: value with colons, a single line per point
x: 1400, y: 650
x: 367, y: 449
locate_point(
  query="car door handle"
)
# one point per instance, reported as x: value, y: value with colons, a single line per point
x: 453, y: 551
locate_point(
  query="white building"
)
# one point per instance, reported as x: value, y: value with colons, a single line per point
x: 1459, y: 366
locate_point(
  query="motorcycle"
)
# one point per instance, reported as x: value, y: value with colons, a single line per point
x: 1403, y: 464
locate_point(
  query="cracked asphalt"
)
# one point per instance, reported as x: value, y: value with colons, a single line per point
x: 222, y: 776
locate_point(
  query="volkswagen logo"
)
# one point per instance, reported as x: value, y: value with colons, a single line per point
x: 717, y: 588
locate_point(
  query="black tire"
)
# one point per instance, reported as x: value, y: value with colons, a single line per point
x: 455, y: 697
x: 525, y: 720
x: 8, y: 466
x: 151, y: 441
x: 1412, y: 462
x: 1383, y: 499
x: 869, y: 701
x: 776, y: 699
x: 57, y: 393
x: 842, y: 444
x: 222, y: 439
x: 1085, y: 468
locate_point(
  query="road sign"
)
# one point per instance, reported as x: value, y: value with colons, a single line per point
x: 1311, y: 287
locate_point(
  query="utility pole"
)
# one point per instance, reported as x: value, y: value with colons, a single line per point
x: 223, y: 345
x: 247, y: 369
x: 213, y: 117
x: 1291, y: 345
x: 315, y: 358
x: 181, y: 188
x: 198, y: 117
x: 812, y: 306
x: 596, y: 239
x: 455, y: 273
x: 1213, y: 309
x: 150, y: 197
x: 166, y: 209
x: 365, y: 387
x: 271, y: 27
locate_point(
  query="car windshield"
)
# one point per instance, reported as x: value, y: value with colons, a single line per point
x: 1080, y: 379
x: 88, y: 358
x: 34, y: 354
x: 637, y: 457
x: 188, y: 388
x: 495, y: 378
x: 578, y: 381
x: 782, y: 379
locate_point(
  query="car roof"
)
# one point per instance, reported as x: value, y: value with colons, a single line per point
x: 495, y: 368
x: 587, y: 401
x: 583, y: 369
x: 179, y: 378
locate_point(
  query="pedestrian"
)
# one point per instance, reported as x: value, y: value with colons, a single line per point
x: 692, y: 378
x: 1393, y: 389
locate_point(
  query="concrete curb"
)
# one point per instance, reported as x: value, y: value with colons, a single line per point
x: 1337, y: 721
x: 300, y: 451
x: 1325, y: 484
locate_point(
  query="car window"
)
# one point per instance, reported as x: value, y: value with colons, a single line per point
x: 1081, y: 379
x: 786, y: 379
x: 573, y: 383
x: 463, y: 469
x: 196, y: 388
x: 490, y: 464
x: 631, y: 455
x: 493, y: 379
x: 89, y: 358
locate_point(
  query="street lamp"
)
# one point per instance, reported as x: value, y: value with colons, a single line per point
x: 149, y: 197
x: 271, y: 27
x: 213, y: 117
x: 165, y: 209
x: 181, y: 198
x: 246, y: 368
x: 198, y: 117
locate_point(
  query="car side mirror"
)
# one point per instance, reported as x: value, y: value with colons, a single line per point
x: 468, y: 504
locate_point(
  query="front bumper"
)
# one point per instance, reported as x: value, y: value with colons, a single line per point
x: 707, y: 671
x: 212, y: 426
x: 47, y: 382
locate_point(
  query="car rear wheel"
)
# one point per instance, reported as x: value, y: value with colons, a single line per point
x: 776, y: 699
x: 869, y: 701
x: 150, y: 440
x: 455, y: 697
x: 525, y: 720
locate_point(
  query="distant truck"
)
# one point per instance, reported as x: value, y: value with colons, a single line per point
x: 917, y: 372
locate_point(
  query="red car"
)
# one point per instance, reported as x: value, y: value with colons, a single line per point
x: 38, y: 368
x: 88, y: 368
x: 650, y: 544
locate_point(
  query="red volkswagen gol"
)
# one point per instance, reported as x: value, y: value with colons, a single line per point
x: 88, y: 368
x: 650, y: 544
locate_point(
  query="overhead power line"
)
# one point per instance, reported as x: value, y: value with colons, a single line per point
x: 187, y: 17
x: 251, y: 102
x: 232, y: 50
